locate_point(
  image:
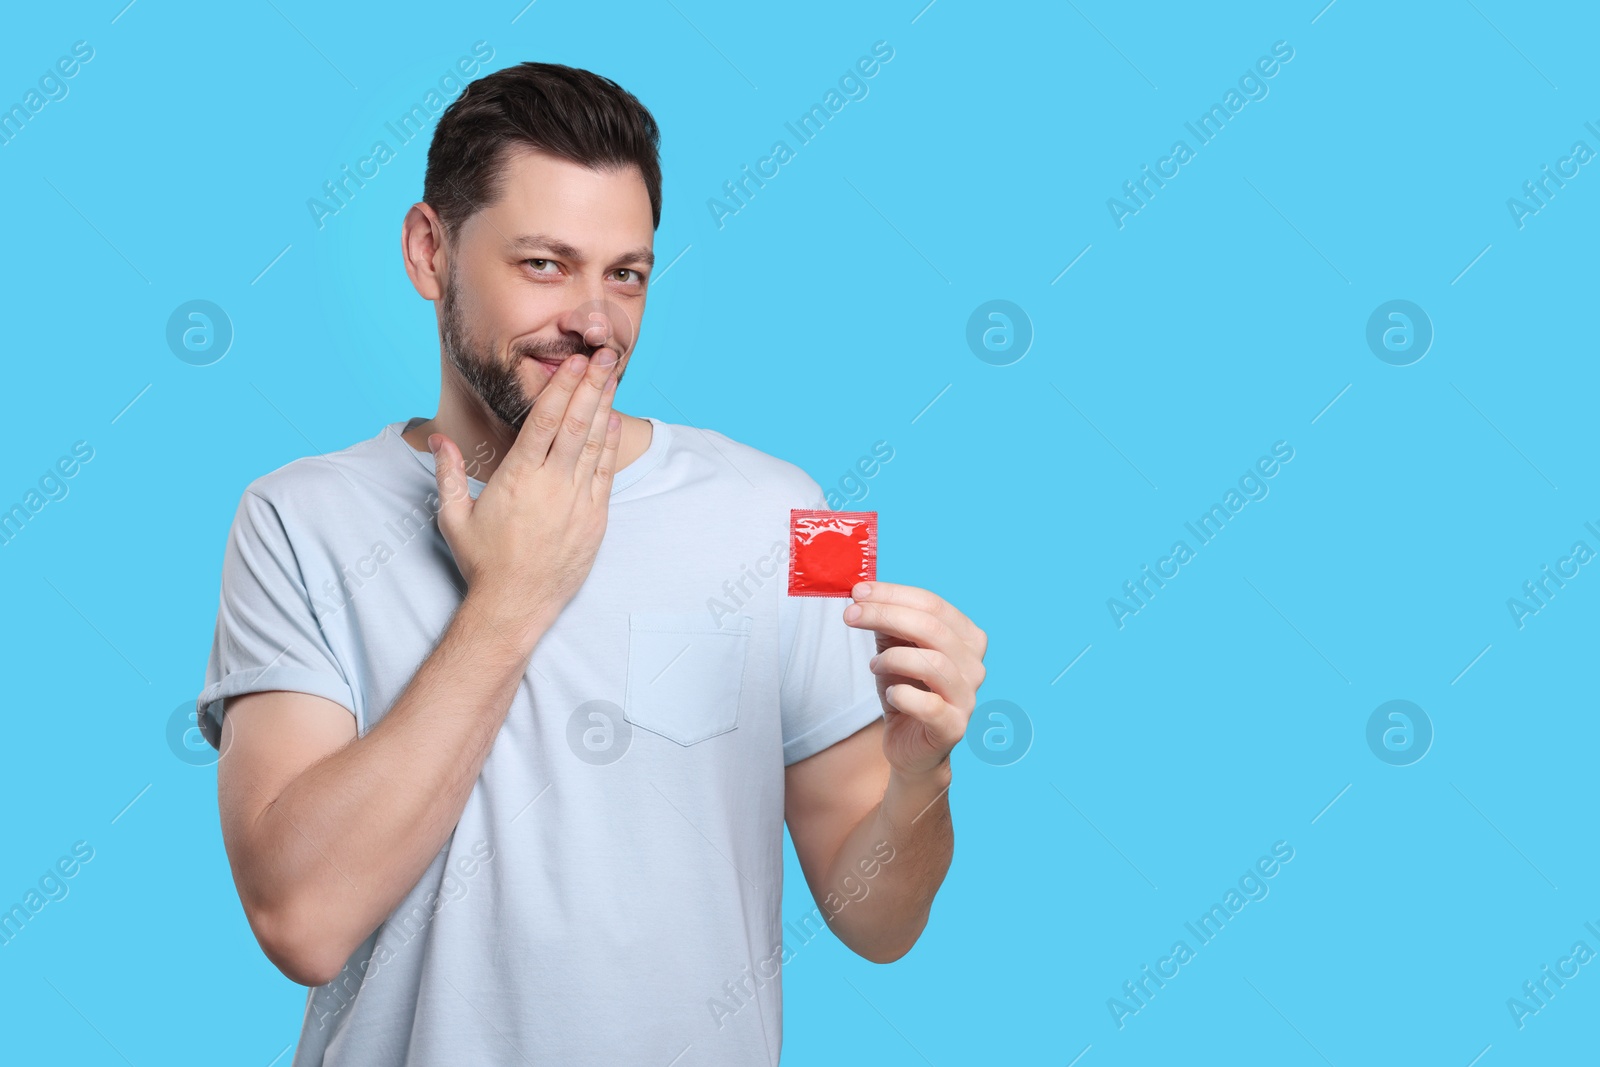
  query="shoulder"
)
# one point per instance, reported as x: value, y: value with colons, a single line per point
x: 311, y: 479
x: 747, y: 470
x: 322, y: 487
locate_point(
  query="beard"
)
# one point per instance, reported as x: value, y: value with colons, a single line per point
x: 495, y: 383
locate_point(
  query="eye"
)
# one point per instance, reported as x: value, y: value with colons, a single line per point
x: 536, y: 262
x: 635, y: 277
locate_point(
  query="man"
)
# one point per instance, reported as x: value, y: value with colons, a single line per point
x: 508, y: 742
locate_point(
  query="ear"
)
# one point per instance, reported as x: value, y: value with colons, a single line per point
x: 423, y: 250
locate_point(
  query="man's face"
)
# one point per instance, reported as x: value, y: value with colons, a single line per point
x: 557, y: 265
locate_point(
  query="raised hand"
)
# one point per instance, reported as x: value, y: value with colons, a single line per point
x: 527, y: 543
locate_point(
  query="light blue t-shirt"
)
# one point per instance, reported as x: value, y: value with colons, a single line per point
x: 614, y: 882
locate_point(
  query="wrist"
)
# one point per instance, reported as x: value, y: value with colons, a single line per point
x: 518, y: 625
x: 933, y: 778
x: 911, y: 794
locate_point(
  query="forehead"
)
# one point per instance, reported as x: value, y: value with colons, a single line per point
x: 543, y: 193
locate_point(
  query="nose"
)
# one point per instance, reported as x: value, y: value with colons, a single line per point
x: 601, y: 323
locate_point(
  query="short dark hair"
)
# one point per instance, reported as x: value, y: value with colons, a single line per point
x: 574, y: 114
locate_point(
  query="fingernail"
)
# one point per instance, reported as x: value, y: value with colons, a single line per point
x: 852, y: 613
x: 576, y: 364
x: 861, y: 589
x: 605, y: 358
x: 433, y: 443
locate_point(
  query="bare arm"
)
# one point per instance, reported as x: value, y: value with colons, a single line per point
x: 325, y: 832
x: 874, y: 846
x: 870, y: 815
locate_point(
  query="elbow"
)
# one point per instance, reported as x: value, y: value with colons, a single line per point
x: 295, y: 943
x: 307, y: 970
x: 888, y: 949
x: 887, y: 952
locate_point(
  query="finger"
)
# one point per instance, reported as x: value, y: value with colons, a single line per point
x: 917, y: 627
x: 912, y: 625
x: 544, y: 418
x: 450, y: 473
x: 930, y: 710
x: 573, y: 435
x: 931, y: 602
x: 936, y: 671
x: 606, y: 469
x: 599, y: 429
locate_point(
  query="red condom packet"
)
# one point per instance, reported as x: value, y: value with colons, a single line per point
x: 830, y: 551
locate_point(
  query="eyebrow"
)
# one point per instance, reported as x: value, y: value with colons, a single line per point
x: 545, y: 242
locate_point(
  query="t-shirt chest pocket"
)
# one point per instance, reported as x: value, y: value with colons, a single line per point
x: 685, y: 673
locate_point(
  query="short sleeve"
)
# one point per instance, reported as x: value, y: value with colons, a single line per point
x: 828, y: 692
x: 267, y: 635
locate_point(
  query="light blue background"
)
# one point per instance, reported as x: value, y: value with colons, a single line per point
x: 827, y: 315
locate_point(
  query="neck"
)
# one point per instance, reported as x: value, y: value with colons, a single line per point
x: 484, y: 439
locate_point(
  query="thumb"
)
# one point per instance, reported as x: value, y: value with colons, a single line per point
x: 450, y: 472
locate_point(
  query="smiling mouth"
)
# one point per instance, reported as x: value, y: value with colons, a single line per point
x: 555, y: 362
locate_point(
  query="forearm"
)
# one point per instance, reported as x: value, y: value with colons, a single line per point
x: 334, y: 854
x: 883, y: 906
